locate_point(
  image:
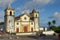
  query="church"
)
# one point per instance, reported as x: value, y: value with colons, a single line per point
x: 23, y: 23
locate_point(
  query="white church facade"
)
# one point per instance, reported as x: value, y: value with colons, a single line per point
x: 22, y: 23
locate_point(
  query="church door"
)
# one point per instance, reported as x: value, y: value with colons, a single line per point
x: 25, y: 29
x: 17, y: 29
x: 31, y: 29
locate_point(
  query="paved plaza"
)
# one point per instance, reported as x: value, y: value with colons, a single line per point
x: 14, y: 37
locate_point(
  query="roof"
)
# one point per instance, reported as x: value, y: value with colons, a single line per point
x: 9, y: 7
x: 18, y: 17
x: 22, y: 15
x: 34, y: 11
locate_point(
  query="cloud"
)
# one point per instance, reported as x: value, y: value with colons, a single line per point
x: 3, y: 3
x: 34, y: 3
x: 26, y: 11
x: 57, y: 18
x: 42, y: 10
x: 57, y: 15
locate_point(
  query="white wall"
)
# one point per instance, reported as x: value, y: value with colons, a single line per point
x: 48, y: 32
x: 17, y: 26
x: 27, y: 18
x: 42, y: 29
x: 10, y: 24
x: 32, y: 25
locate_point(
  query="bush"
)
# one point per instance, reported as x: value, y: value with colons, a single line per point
x: 1, y: 23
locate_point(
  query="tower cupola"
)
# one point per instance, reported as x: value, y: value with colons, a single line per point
x: 9, y: 10
x: 9, y: 7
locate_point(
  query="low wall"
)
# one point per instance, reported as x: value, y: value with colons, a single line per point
x: 48, y: 32
x: 27, y: 33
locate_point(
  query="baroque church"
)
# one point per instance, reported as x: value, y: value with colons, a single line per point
x: 22, y: 23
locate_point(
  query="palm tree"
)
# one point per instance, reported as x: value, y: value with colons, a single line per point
x: 49, y: 23
x: 54, y: 22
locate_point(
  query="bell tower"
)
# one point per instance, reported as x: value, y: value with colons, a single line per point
x: 9, y: 19
x: 35, y: 17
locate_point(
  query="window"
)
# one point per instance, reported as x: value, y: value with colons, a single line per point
x: 25, y: 18
x: 36, y: 15
x: 10, y: 13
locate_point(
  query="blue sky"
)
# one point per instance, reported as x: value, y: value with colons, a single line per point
x: 48, y: 9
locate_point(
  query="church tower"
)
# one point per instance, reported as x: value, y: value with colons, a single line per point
x: 9, y: 20
x: 35, y: 17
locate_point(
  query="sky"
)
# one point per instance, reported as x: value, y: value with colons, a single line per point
x: 48, y: 9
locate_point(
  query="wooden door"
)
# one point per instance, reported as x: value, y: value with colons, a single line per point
x: 31, y: 29
x: 17, y: 29
x: 25, y: 29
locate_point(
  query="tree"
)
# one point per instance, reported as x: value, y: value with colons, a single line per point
x: 1, y: 23
x: 57, y: 29
x: 49, y: 23
x: 53, y: 27
x: 54, y: 22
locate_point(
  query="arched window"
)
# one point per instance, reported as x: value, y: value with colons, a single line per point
x: 10, y: 13
x: 36, y: 15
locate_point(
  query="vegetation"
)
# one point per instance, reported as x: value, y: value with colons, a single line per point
x: 1, y: 23
x: 54, y: 22
x: 49, y: 23
x: 53, y: 27
x: 57, y: 29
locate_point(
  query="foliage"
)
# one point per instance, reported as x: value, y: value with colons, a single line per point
x: 53, y: 27
x: 57, y: 29
x: 1, y: 23
x: 49, y: 23
x: 54, y: 22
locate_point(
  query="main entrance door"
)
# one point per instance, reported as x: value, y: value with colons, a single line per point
x: 25, y: 29
x: 31, y: 29
x: 17, y: 29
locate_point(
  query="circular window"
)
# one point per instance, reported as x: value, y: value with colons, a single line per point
x: 17, y: 23
x: 25, y: 18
